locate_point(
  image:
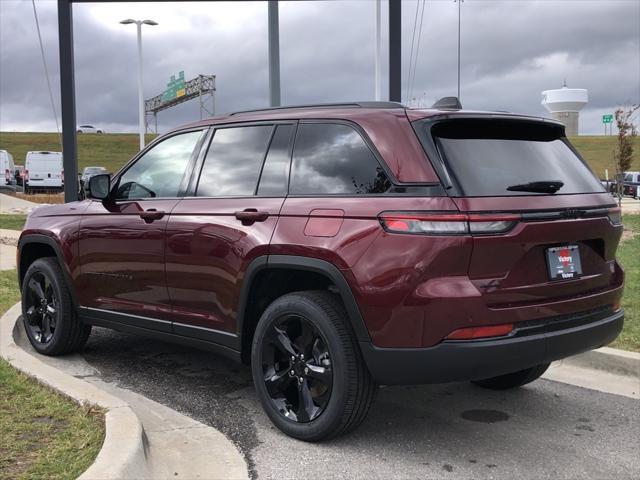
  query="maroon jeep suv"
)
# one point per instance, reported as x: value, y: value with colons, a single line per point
x: 338, y: 247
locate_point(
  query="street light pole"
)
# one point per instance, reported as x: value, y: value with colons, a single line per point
x: 141, y: 120
x: 141, y: 114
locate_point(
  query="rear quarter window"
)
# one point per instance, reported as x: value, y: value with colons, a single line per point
x: 333, y: 159
x: 488, y: 157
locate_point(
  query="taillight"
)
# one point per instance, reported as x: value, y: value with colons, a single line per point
x: 473, y: 333
x: 446, y: 223
x: 26, y: 175
x: 62, y: 176
x: 615, y: 216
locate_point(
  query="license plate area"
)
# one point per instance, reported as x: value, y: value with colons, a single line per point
x: 564, y: 262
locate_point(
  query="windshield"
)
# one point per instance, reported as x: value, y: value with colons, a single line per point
x: 491, y: 157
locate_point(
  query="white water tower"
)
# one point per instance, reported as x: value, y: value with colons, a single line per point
x: 565, y: 105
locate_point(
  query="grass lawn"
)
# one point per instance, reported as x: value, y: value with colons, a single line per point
x: 598, y: 152
x: 629, y: 257
x: 12, y: 222
x: 110, y: 150
x: 42, y: 434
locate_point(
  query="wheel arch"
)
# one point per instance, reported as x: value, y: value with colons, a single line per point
x: 302, y: 273
x: 33, y: 247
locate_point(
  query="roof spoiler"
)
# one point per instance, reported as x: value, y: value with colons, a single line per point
x: 451, y: 103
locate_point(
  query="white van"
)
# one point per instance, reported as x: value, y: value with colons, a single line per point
x: 43, y: 171
x: 7, y: 167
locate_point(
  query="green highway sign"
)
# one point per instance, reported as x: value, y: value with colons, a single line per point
x: 607, y: 118
x: 175, y: 88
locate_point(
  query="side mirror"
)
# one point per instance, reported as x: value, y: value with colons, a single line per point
x: 99, y: 186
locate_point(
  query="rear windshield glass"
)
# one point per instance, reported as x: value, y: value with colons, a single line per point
x: 498, y: 157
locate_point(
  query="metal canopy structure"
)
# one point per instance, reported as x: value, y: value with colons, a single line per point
x: 202, y: 87
x: 67, y: 80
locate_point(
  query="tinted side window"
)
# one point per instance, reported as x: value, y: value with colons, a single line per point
x: 159, y: 172
x: 232, y: 165
x: 334, y: 159
x: 275, y: 173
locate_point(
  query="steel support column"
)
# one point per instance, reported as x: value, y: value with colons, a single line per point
x: 67, y: 100
x: 395, y: 50
x: 274, y: 54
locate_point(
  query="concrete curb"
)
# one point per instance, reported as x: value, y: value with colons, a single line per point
x: 123, y: 451
x: 610, y: 360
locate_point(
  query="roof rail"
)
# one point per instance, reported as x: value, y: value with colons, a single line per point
x: 369, y: 104
x: 452, y: 103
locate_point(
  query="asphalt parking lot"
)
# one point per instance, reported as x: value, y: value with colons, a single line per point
x: 545, y: 430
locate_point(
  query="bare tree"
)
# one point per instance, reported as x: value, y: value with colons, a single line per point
x: 623, y: 154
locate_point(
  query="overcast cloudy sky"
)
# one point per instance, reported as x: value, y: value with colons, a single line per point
x: 511, y: 51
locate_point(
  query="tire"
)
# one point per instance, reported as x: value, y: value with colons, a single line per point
x: 337, y: 402
x: 513, y: 380
x: 59, y: 330
x: 99, y: 132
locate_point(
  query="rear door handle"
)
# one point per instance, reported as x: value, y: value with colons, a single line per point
x: 152, y: 214
x: 251, y: 215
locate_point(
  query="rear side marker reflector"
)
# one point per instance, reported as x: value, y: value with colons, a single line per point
x: 473, y: 333
x: 447, y: 223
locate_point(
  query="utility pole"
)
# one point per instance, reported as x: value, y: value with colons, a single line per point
x: 395, y: 50
x: 67, y: 101
x: 274, y: 54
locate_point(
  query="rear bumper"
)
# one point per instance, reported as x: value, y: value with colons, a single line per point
x: 534, y: 344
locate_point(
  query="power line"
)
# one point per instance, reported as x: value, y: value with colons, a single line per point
x: 46, y: 72
x: 413, y: 38
x: 415, y: 66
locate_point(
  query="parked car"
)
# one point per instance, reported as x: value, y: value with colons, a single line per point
x: 89, y: 172
x: 336, y: 248
x: 631, y: 184
x: 83, y: 179
x: 7, y: 167
x: 43, y: 171
x: 19, y: 175
x: 89, y: 129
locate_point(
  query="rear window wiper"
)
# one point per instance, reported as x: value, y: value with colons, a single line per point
x: 544, y: 186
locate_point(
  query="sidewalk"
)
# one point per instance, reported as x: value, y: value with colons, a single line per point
x: 14, y: 205
x: 8, y: 242
x: 630, y: 205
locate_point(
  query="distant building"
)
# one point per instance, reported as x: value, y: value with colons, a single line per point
x: 565, y: 105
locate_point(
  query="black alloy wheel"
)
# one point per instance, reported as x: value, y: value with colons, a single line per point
x: 42, y: 308
x: 296, y: 364
x: 307, y: 368
x: 48, y: 314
